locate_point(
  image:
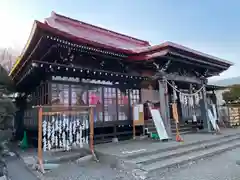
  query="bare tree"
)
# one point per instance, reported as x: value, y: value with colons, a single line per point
x: 7, y: 59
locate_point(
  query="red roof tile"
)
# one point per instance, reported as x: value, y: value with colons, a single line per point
x: 93, y: 33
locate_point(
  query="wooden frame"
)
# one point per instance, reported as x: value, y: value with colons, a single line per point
x: 69, y: 110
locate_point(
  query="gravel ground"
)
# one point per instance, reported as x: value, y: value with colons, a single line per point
x: 222, y: 167
x: 89, y: 171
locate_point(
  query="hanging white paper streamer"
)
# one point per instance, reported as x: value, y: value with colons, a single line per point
x: 84, y: 128
x: 196, y: 99
x: 81, y: 142
x: 53, y: 132
x: 49, y: 130
x: 44, y: 125
x: 181, y: 98
x: 62, y: 131
x: 174, y: 95
x: 194, y: 118
x: 185, y: 100
x: 87, y: 127
x: 67, y: 132
x: 191, y: 102
x: 74, y: 131
x: 56, y: 131
x: 70, y: 132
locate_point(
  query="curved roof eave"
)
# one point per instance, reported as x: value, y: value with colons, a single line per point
x: 158, y: 48
x: 19, y: 58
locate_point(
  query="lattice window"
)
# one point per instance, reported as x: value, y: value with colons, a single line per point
x: 110, y: 104
x: 60, y: 94
x: 79, y: 95
x: 123, y: 105
x: 95, y: 98
x: 134, y: 96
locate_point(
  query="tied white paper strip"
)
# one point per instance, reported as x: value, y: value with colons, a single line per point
x: 81, y: 143
x: 53, y: 132
x: 44, y: 134
x: 197, y: 99
x: 185, y: 100
x: 84, y: 128
x: 62, y: 131
x: 87, y: 127
x: 67, y: 132
x: 56, y: 132
x: 49, y: 130
x: 70, y: 133
x: 78, y: 132
x: 191, y: 102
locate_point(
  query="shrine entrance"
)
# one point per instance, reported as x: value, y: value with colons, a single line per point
x: 188, y: 99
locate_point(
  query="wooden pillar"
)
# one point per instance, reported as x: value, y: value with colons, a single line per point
x: 194, y: 107
x: 204, y: 109
x: 215, y: 102
x: 164, y: 105
x: 40, y: 134
x: 91, y: 123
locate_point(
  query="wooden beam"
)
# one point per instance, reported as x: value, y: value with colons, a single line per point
x: 176, y: 77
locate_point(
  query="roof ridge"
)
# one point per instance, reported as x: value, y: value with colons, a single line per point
x: 113, y: 33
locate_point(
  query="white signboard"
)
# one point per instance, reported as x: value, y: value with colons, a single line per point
x: 160, y: 127
x: 136, y: 113
x: 213, y: 118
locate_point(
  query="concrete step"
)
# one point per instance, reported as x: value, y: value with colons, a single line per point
x: 184, y: 132
x: 184, y: 159
x: 185, y: 145
x: 149, y: 159
x: 152, y: 129
x: 183, y: 125
x: 182, y: 129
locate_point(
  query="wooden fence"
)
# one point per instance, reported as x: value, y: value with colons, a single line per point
x: 230, y: 115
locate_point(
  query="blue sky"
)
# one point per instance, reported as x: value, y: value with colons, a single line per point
x: 209, y: 26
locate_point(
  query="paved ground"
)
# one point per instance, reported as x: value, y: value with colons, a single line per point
x: 125, y: 148
x: 89, y: 171
x: 222, y: 167
x: 17, y: 169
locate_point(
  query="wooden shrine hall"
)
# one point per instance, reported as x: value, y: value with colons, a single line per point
x: 71, y: 63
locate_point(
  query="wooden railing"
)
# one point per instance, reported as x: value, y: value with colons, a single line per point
x: 64, y: 127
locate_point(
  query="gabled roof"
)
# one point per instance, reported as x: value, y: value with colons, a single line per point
x: 93, y: 33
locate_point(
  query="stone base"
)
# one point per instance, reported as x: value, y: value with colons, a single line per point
x: 114, y: 140
x: 141, y: 137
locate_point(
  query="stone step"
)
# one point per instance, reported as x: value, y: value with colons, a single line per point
x: 145, y: 160
x: 184, y: 159
x: 141, y: 154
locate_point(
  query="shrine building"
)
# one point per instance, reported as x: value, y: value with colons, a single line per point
x: 69, y: 62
